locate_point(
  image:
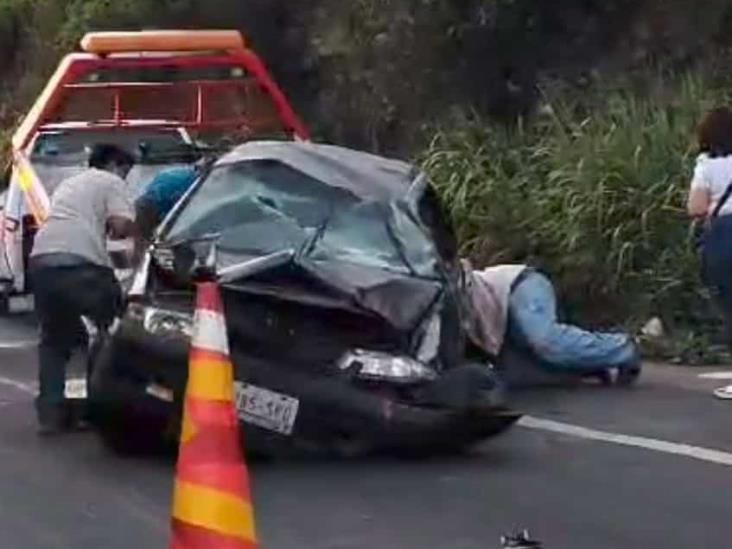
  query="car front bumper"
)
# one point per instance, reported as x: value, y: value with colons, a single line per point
x: 142, y: 376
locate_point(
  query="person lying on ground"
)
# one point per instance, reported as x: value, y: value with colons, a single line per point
x: 521, y: 301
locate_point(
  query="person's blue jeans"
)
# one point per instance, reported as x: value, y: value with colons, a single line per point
x: 717, y: 265
x: 534, y: 325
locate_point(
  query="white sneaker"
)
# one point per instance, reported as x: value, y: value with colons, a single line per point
x: 725, y: 393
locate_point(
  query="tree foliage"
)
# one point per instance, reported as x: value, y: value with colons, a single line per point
x: 372, y: 73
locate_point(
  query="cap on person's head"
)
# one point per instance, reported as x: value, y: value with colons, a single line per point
x: 104, y: 154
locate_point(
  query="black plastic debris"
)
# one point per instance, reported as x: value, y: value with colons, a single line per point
x: 520, y: 541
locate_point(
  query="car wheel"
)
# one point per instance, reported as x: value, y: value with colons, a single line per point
x: 114, y: 409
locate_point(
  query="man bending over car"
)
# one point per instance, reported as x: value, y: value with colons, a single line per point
x: 71, y: 271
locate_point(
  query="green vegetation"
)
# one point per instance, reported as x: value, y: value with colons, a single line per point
x: 596, y: 197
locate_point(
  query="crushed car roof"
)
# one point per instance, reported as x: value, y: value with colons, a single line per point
x: 366, y: 175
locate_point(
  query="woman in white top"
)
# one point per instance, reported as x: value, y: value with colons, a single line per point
x: 713, y: 172
x: 710, y: 200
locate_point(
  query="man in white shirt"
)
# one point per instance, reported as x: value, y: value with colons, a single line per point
x: 71, y: 272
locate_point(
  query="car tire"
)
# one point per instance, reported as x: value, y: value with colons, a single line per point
x: 113, y: 410
x: 126, y: 435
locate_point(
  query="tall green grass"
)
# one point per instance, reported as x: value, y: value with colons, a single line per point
x: 592, y: 192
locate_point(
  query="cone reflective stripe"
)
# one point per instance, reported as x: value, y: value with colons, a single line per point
x: 36, y: 197
x: 212, y: 505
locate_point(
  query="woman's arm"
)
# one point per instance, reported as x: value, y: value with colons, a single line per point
x: 700, y: 197
x: 698, y: 202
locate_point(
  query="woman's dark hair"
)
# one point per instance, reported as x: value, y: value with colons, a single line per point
x: 104, y: 154
x: 715, y: 132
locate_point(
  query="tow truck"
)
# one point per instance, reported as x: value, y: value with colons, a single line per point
x: 161, y: 94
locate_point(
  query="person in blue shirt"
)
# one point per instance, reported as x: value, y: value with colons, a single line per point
x: 161, y: 194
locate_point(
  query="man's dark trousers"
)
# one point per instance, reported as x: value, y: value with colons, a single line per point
x: 63, y: 294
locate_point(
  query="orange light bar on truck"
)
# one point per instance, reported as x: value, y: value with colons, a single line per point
x: 102, y: 43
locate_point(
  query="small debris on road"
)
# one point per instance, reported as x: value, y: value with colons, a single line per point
x: 520, y: 541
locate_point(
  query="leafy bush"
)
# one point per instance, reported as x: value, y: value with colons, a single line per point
x: 595, y: 197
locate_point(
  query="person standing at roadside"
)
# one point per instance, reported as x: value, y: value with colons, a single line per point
x: 710, y: 200
x: 71, y: 273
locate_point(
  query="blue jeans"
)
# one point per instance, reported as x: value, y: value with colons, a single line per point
x: 534, y: 324
x: 717, y: 265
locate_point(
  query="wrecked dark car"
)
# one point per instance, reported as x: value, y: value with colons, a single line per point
x: 344, y: 322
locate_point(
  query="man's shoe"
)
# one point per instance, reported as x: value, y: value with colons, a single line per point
x: 51, y: 428
x: 81, y: 425
x: 52, y: 420
x: 603, y: 376
x: 78, y: 415
x: 628, y: 375
x: 629, y: 372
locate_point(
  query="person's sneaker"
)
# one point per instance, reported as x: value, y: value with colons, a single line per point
x: 628, y: 375
x: 47, y: 428
x: 81, y: 424
x: 52, y: 420
x: 78, y: 415
x: 603, y: 376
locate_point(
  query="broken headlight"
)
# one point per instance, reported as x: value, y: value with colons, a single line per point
x: 161, y: 322
x: 376, y: 366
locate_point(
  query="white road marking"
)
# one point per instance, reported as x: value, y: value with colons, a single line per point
x: 685, y: 450
x: 28, y: 388
x: 718, y: 376
x: 22, y: 344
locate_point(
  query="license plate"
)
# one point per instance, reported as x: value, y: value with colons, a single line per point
x: 75, y: 389
x: 20, y: 303
x: 267, y: 409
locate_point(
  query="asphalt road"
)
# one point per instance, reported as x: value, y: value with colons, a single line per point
x: 592, y: 468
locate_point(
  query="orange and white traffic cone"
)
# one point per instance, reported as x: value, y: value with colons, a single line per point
x: 212, y: 506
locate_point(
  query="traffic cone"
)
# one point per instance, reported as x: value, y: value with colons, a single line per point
x: 212, y: 506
